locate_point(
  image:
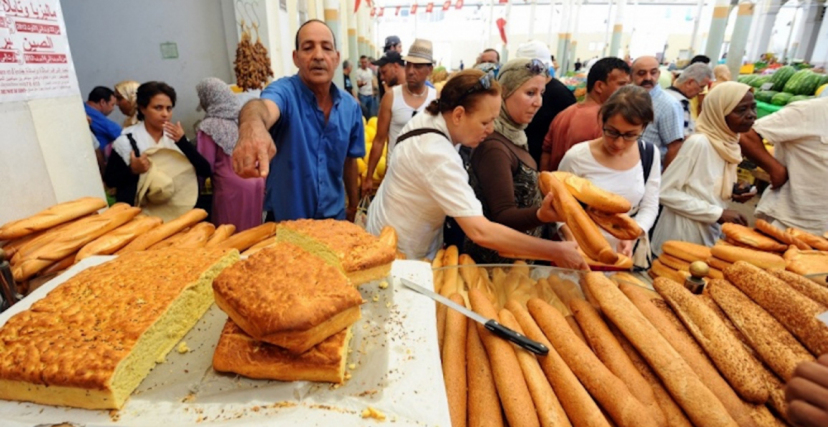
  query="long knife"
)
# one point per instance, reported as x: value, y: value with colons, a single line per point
x: 490, y: 324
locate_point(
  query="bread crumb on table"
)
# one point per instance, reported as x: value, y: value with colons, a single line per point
x: 182, y: 348
x: 370, y: 412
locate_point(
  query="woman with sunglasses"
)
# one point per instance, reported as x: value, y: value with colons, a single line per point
x: 427, y: 180
x: 502, y: 173
x: 700, y: 181
x: 619, y: 162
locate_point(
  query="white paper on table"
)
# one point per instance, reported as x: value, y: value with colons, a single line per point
x: 394, y: 351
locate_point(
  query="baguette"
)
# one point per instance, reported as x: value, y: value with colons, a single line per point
x: 783, y: 353
x: 591, y: 195
x: 685, y: 250
x: 483, y: 404
x: 748, y: 237
x: 609, y: 351
x: 795, y: 311
x: 780, y: 235
x: 734, y: 362
x: 586, y: 233
x: 806, y: 262
x: 484, y: 284
x: 602, y: 384
x: 672, y: 412
x: 222, y: 233
x: 670, y: 328
x: 511, y: 386
x: 70, y: 240
x: 437, y: 272
x: 673, y: 262
x: 11, y: 247
x: 708, y: 301
x: 47, y: 236
x: 550, y: 411
x: 197, y: 236
x: 50, y: 217
x: 454, y: 363
x: 247, y: 238
x: 116, y: 239
x: 802, y: 285
x: 661, y: 270
x: 814, y: 241
x: 757, y: 258
x: 565, y: 289
x: 576, y: 401
x: 699, y: 402
x: 624, y: 262
x: 170, y: 241
x: 718, y: 263
x: 448, y: 287
x: 59, y: 266
x: 266, y: 243
x: 619, y: 225
x: 164, y: 231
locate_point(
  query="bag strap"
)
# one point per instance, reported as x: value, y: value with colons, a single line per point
x: 647, y: 153
x: 418, y: 132
x: 134, y: 145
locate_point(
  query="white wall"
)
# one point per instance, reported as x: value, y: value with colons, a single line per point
x: 120, y: 40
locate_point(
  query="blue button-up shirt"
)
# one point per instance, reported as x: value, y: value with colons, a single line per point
x: 306, y: 175
x: 104, y: 129
x: 668, y: 125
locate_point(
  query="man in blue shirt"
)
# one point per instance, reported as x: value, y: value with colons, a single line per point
x: 99, y: 104
x: 304, y: 135
x: 667, y: 130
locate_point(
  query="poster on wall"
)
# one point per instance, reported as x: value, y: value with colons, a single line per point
x: 34, y: 52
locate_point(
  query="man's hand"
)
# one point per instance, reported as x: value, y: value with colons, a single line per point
x: 744, y: 197
x: 729, y: 215
x: 138, y: 165
x: 625, y: 247
x: 350, y: 213
x: 174, y: 131
x: 807, y: 394
x: 778, y: 176
x: 251, y: 157
x: 367, y: 186
x: 568, y: 257
x: 546, y: 212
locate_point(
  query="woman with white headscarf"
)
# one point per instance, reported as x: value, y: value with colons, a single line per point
x: 126, y: 97
x: 236, y: 200
x: 696, y: 188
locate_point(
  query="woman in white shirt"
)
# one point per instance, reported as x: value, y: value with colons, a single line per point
x: 615, y: 162
x: 697, y: 186
x: 427, y: 180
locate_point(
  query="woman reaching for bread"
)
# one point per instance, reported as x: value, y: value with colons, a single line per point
x: 697, y: 186
x: 427, y: 181
x: 616, y: 162
x: 503, y: 174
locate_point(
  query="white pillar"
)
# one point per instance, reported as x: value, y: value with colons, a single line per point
x: 810, y: 24
x: 694, y: 39
x: 353, y: 47
x: 572, y: 51
x: 738, y: 40
x: 764, y: 19
x: 331, y: 13
x: 618, y: 30
x: 532, y: 9
x: 491, y: 23
x: 504, y: 54
x: 549, y: 31
x: 820, y: 55
x: 563, y: 35
x: 718, y: 25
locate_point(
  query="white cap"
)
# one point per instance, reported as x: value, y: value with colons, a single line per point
x: 534, y: 50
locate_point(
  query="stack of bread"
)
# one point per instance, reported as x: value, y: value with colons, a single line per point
x: 92, y: 340
x: 291, y: 304
x: 586, y: 209
x: 623, y: 355
x: 676, y: 257
x: 56, y: 238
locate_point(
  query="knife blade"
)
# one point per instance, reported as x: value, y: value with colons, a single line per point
x: 490, y: 324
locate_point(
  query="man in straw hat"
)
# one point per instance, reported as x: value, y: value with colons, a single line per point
x: 304, y: 135
x: 401, y: 103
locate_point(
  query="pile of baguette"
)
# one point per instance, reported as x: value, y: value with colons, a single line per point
x: 586, y: 209
x: 766, y: 247
x: 623, y: 355
x: 56, y: 238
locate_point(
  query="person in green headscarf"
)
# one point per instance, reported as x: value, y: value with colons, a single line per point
x: 502, y: 173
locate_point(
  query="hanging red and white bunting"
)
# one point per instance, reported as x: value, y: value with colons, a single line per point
x: 373, y: 11
x: 429, y: 7
x: 397, y: 12
x: 446, y: 5
x: 381, y: 12
x: 414, y: 9
x: 459, y: 5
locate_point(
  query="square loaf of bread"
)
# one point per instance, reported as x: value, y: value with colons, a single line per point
x: 92, y: 340
x: 286, y: 296
x: 362, y: 256
x: 239, y: 353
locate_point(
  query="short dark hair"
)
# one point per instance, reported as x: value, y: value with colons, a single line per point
x: 700, y: 58
x: 495, y: 51
x: 632, y: 102
x: 100, y: 93
x: 296, y: 42
x: 363, y: 57
x: 345, y: 64
x: 456, y: 92
x: 147, y: 90
x: 603, y: 68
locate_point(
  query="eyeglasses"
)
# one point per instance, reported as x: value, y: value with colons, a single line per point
x: 485, y: 83
x: 537, y: 67
x: 614, y: 134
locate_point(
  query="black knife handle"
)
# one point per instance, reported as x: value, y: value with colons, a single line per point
x: 533, y: 346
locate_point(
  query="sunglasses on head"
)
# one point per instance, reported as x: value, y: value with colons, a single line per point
x: 537, y: 67
x: 485, y: 83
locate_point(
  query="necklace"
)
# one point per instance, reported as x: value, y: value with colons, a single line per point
x: 417, y: 95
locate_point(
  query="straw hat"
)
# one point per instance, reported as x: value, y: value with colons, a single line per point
x: 421, y: 52
x: 169, y: 188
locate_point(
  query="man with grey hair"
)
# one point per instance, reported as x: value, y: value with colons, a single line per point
x: 688, y: 85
